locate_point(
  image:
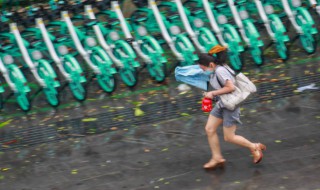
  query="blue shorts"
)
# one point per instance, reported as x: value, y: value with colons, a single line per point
x: 230, y: 117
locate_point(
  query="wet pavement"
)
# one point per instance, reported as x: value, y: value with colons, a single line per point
x: 170, y: 154
x: 152, y: 136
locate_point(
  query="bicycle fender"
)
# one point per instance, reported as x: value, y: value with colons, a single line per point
x: 98, y: 50
x: 19, y: 76
x: 212, y: 39
x: 186, y: 41
x: 235, y: 35
x: 126, y: 47
x: 252, y: 31
x: 306, y: 15
x: 75, y: 64
x: 278, y: 27
x: 46, y: 65
x: 153, y: 42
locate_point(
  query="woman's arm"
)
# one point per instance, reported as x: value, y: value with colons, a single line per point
x: 228, y: 87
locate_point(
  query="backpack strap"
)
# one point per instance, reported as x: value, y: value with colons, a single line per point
x: 219, y: 81
x: 232, y: 73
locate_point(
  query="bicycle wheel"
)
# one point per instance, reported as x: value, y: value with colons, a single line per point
x: 129, y: 76
x: 158, y: 71
x: 282, y: 50
x: 236, y: 60
x: 308, y: 43
x: 106, y: 80
x: 50, y: 91
x: 78, y: 91
x: 256, y: 54
x: 20, y: 83
x: 157, y: 67
x: 23, y: 101
x: 52, y: 96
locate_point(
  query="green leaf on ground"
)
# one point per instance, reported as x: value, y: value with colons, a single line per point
x: 3, y: 124
x: 89, y: 119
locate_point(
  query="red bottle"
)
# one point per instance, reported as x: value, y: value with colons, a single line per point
x: 206, y: 104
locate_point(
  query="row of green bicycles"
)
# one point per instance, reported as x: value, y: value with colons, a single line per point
x: 69, y: 39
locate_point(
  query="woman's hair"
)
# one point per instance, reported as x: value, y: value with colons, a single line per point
x: 217, y: 55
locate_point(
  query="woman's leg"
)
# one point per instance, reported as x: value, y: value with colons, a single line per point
x: 211, y: 129
x: 230, y: 136
x: 255, y: 148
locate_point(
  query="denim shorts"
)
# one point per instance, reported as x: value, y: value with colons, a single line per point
x: 230, y: 117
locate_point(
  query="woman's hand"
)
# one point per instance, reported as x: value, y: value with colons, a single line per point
x: 210, y: 94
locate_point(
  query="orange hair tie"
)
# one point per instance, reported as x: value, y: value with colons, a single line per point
x: 216, y: 49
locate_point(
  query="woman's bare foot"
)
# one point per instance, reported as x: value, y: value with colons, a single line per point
x: 213, y: 164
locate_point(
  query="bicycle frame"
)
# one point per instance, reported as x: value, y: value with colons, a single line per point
x: 225, y: 32
x: 41, y: 68
x: 13, y: 75
x: 94, y: 55
x: 152, y: 54
x: 186, y: 53
x: 274, y: 27
x: 200, y: 35
x: 67, y: 64
x: 119, y: 50
x: 248, y: 31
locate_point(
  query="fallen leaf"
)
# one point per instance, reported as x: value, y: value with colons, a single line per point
x: 89, y: 119
x: 146, y: 150
x: 165, y: 149
x: 138, y: 112
x: 3, y: 124
x: 5, y: 169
